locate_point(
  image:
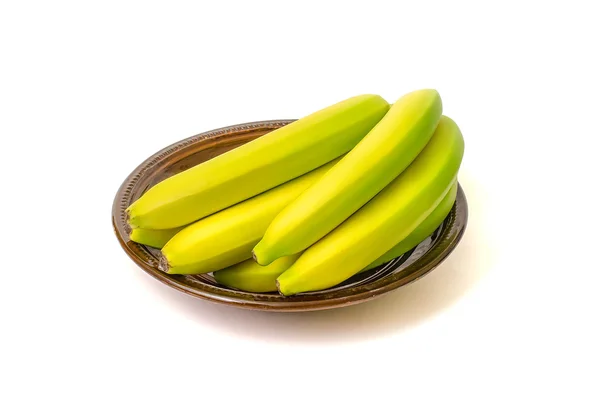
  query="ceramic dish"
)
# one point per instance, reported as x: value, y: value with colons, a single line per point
x: 365, y: 286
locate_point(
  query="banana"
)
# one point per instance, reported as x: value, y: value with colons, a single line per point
x: 257, y: 166
x: 252, y: 277
x: 153, y: 238
x: 227, y: 237
x: 384, y: 221
x: 425, y: 229
x: 381, y: 156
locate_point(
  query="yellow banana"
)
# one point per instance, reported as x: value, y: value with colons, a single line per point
x: 257, y: 166
x: 425, y: 229
x: 153, y: 238
x: 381, y: 156
x: 384, y: 221
x: 252, y: 277
x: 227, y: 237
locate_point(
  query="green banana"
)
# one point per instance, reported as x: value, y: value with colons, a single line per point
x: 227, y: 237
x: 153, y: 238
x: 425, y: 229
x: 258, y: 165
x: 381, y: 156
x: 384, y: 221
x: 252, y: 277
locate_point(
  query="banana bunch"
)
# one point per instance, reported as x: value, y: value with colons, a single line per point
x: 307, y: 206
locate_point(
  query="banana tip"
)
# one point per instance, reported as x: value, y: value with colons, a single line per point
x: 128, y: 226
x: 128, y: 229
x: 163, y: 264
x: 261, y: 261
x: 279, y: 288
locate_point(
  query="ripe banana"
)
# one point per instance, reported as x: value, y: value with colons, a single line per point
x: 252, y: 277
x: 425, y: 229
x: 384, y: 221
x: 257, y: 166
x: 381, y: 156
x: 227, y: 237
x: 153, y: 238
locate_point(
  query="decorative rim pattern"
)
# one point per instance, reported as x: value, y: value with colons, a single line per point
x: 396, y: 273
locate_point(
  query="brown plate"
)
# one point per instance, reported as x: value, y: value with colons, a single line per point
x: 360, y: 288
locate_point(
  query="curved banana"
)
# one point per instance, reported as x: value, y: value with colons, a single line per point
x: 258, y: 165
x: 384, y: 221
x: 227, y: 237
x: 381, y: 156
x: 425, y: 229
x: 153, y: 238
x: 252, y: 277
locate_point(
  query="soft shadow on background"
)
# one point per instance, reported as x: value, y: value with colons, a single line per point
x: 399, y: 310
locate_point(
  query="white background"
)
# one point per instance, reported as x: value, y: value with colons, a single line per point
x: 89, y: 89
